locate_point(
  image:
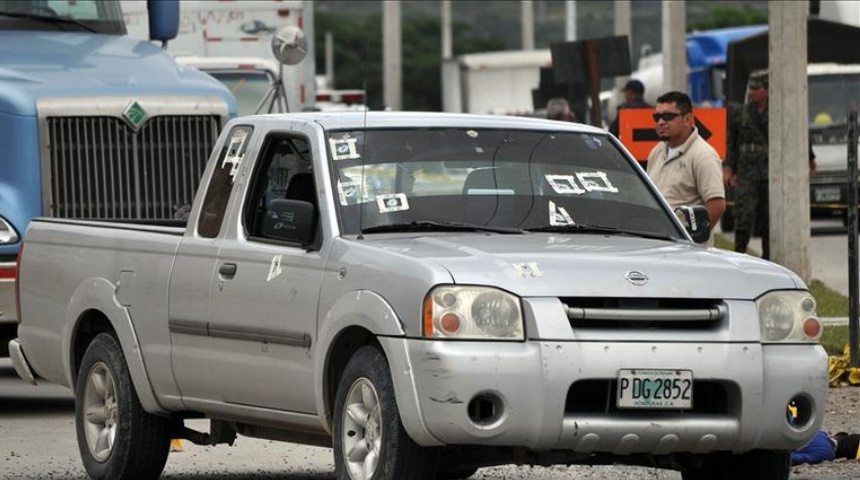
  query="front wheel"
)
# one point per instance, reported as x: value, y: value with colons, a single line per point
x: 754, y: 465
x: 369, y: 440
x: 117, y: 438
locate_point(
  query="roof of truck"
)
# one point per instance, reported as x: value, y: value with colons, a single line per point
x: 380, y: 119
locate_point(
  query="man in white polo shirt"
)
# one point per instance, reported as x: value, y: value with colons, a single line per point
x: 684, y: 167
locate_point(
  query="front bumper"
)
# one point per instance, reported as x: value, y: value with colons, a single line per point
x: 548, y: 390
x: 828, y: 193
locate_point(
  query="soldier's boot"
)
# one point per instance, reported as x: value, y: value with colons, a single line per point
x: 742, y: 239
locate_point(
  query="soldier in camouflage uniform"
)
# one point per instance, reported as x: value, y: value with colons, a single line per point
x: 746, y: 166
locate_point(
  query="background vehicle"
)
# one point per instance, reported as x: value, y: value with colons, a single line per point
x: 90, y: 118
x: 249, y: 78
x: 512, y: 290
x: 237, y: 34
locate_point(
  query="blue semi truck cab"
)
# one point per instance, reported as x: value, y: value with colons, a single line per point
x: 95, y: 124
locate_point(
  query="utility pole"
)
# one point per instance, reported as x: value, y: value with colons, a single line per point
x: 329, y: 59
x: 623, y: 26
x: 788, y: 131
x: 674, y: 14
x: 392, y: 83
x: 447, y: 31
x: 528, y: 24
x: 570, y: 20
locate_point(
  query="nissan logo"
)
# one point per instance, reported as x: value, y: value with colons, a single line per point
x: 636, y: 278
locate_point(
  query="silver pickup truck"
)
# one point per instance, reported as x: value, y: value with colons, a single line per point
x: 427, y: 294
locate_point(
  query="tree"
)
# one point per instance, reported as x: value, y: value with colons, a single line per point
x: 726, y: 16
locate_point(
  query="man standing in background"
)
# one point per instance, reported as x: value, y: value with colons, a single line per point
x: 634, y: 93
x: 746, y: 167
x: 559, y: 109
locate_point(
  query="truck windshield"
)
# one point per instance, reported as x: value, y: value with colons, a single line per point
x: 831, y: 97
x: 490, y: 178
x: 249, y: 87
x: 100, y: 16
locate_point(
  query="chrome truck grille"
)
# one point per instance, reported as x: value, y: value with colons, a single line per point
x: 101, y: 166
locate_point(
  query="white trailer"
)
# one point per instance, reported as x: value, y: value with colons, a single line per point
x: 493, y: 82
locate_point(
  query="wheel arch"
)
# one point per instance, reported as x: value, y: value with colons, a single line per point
x: 357, y: 319
x: 94, y: 309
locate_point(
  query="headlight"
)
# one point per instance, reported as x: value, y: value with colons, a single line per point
x: 472, y: 312
x: 8, y: 235
x: 788, y: 316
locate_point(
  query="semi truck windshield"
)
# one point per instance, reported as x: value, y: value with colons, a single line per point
x: 100, y: 16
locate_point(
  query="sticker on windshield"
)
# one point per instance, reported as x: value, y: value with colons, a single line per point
x: 595, y: 182
x: 392, y: 202
x: 347, y: 192
x: 344, y: 149
x: 564, y: 184
x: 558, y: 216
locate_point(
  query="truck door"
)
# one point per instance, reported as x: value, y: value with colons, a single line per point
x: 264, y: 303
x: 194, y: 272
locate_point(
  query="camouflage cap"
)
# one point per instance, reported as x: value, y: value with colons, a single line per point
x: 759, y: 79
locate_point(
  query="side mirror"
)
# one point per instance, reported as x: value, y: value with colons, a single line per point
x: 696, y: 221
x: 289, y: 45
x: 291, y: 221
x: 163, y: 19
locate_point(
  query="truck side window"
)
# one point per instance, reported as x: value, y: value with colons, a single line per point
x: 284, y: 172
x: 218, y: 193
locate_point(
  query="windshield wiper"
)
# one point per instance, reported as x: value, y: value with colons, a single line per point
x: 586, y: 228
x: 428, y: 226
x: 48, y: 19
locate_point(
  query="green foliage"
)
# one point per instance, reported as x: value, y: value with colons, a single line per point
x: 358, y: 55
x: 725, y: 16
x: 830, y: 302
x: 834, y: 338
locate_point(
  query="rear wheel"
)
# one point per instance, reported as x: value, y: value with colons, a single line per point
x: 369, y: 440
x: 754, y: 465
x: 117, y: 438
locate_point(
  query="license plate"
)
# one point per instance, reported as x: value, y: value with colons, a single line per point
x: 661, y: 389
x: 827, y: 194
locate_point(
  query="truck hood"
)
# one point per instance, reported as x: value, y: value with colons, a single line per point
x: 75, y: 64
x: 593, y: 265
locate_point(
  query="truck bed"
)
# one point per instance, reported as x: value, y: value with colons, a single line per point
x: 132, y: 259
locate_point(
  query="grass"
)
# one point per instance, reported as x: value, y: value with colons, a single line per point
x: 830, y: 304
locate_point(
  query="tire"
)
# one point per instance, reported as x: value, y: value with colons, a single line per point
x: 754, y: 465
x: 117, y: 438
x: 365, y: 411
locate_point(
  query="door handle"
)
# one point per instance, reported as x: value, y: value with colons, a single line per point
x: 227, y: 270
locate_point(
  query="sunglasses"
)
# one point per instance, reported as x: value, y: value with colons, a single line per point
x: 667, y: 116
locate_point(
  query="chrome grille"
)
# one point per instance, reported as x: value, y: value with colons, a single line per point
x: 103, y: 170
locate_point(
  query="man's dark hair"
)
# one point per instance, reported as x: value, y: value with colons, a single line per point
x: 681, y: 99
